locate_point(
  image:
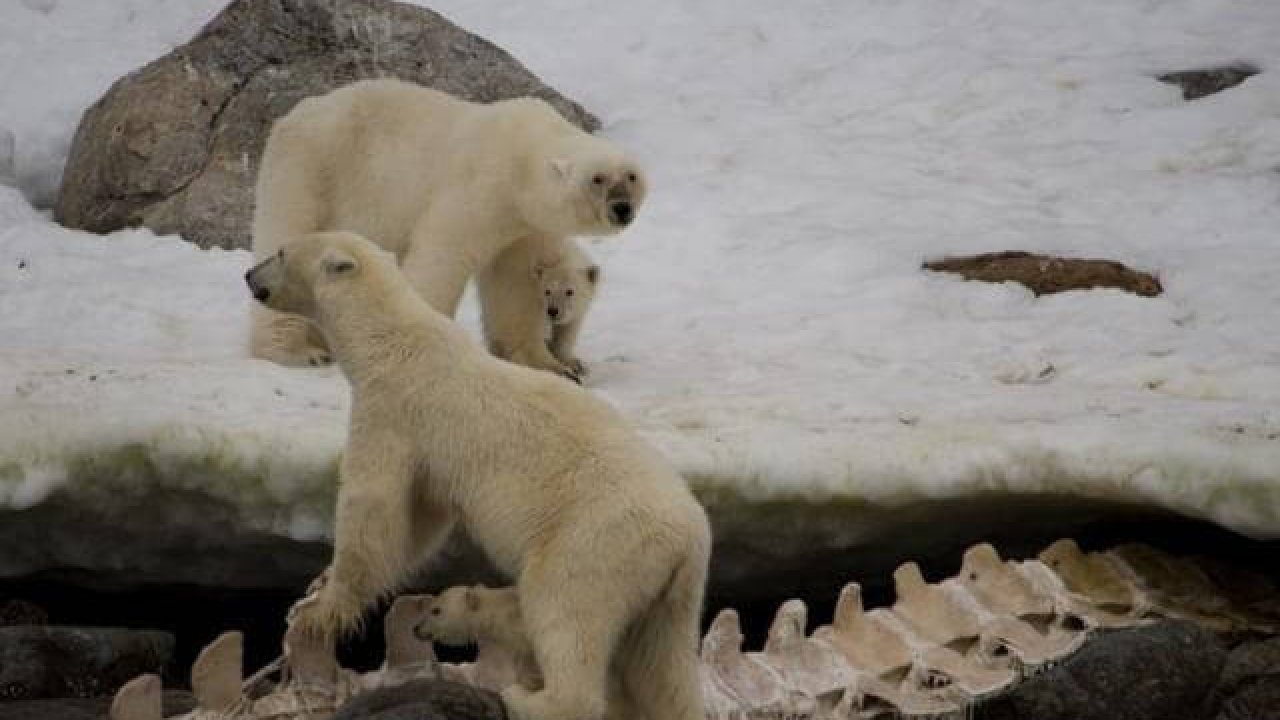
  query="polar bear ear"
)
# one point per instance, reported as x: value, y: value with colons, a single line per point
x: 593, y: 274
x: 337, y: 262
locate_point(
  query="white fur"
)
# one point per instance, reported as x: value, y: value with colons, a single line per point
x: 550, y: 273
x: 444, y: 184
x: 490, y: 618
x: 608, y: 547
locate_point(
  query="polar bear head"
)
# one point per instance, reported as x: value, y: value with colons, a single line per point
x: 310, y: 267
x: 462, y: 615
x: 592, y: 188
x: 567, y: 287
x: 450, y: 617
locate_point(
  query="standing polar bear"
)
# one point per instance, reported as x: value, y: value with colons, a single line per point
x: 608, y: 547
x: 444, y: 184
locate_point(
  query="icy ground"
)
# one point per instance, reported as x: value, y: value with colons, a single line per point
x: 766, y: 321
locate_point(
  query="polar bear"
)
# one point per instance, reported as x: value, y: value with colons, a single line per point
x: 443, y: 183
x: 607, y: 545
x: 550, y: 273
x: 488, y: 617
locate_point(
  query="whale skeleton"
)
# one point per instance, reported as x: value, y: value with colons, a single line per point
x: 932, y: 654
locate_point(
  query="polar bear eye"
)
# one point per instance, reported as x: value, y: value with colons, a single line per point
x: 435, y: 611
x: 569, y: 292
x: 547, y: 293
x: 631, y: 177
x: 598, y: 179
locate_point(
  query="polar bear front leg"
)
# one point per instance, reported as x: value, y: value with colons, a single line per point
x: 373, y: 534
x: 286, y: 339
x: 563, y: 339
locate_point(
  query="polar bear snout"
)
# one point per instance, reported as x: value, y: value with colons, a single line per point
x: 260, y: 291
x: 621, y: 213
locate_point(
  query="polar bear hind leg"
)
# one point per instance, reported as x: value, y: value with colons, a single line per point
x: 658, y: 660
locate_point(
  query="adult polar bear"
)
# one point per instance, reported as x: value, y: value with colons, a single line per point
x: 608, y: 547
x: 444, y: 184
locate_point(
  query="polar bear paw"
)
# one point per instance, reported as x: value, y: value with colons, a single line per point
x: 577, y: 367
x: 326, y: 610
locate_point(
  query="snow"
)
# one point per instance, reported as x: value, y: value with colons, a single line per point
x: 766, y: 321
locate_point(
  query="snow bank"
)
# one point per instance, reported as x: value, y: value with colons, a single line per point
x: 765, y: 322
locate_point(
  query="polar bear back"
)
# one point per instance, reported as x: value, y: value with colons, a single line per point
x: 379, y: 152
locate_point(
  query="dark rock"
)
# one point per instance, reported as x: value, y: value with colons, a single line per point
x: 425, y: 700
x: 69, y: 662
x: 1198, y: 83
x: 1163, y: 671
x: 175, y: 145
x: 175, y: 702
x: 1045, y: 274
x: 1259, y: 700
x: 1249, y: 686
x: 21, y: 612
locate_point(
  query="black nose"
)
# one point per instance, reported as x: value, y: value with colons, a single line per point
x: 621, y: 212
x: 553, y: 312
x: 261, y: 294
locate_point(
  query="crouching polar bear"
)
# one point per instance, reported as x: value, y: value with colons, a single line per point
x: 444, y: 184
x: 607, y: 546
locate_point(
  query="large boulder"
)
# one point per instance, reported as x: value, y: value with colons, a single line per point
x: 424, y: 700
x: 38, y: 661
x: 173, y: 703
x: 1164, y: 671
x: 175, y: 145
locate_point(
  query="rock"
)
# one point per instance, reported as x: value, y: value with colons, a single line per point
x: 1163, y: 671
x: 1249, y: 686
x: 1199, y: 83
x: 175, y: 702
x: 175, y: 145
x: 1259, y: 700
x: 1046, y: 274
x: 424, y: 700
x: 21, y: 612
x: 70, y: 662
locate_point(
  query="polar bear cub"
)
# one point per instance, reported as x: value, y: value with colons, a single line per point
x: 607, y: 546
x: 490, y: 618
x: 444, y: 184
x: 554, y: 274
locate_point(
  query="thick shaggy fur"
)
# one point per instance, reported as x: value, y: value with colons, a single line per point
x: 446, y: 185
x: 608, y: 547
x: 549, y: 273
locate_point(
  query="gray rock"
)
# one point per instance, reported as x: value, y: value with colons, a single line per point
x: 175, y: 702
x: 70, y: 662
x: 1199, y: 83
x: 175, y: 145
x: 1259, y: 700
x: 1249, y: 686
x: 1164, y: 671
x: 424, y: 700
